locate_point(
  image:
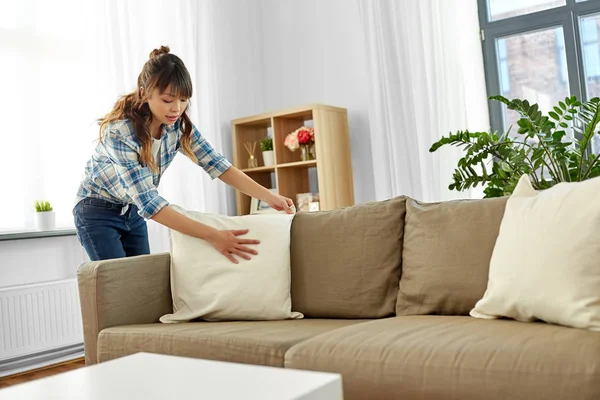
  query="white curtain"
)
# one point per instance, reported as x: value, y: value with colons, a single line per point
x: 136, y: 27
x: 426, y: 74
x: 49, y: 101
x: 71, y: 60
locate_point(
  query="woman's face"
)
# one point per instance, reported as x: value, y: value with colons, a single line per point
x: 165, y: 107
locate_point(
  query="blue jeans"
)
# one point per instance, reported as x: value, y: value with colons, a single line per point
x: 105, y: 232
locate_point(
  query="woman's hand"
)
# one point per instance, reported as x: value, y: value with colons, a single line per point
x: 242, y: 182
x: 280, y: 203
x: 228, y: 244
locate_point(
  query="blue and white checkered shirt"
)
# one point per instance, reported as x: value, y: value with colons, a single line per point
x: 114, y: 173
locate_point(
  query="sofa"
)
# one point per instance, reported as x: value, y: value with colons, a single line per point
x: 385, y: 289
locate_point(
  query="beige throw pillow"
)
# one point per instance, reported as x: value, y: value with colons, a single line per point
x: 546, y: 262
x: 446, y: 255
x: 346, y: 262
x: 206, y: 285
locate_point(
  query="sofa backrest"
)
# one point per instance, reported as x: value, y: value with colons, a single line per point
x: 346, y: 262
x: 394, y: 257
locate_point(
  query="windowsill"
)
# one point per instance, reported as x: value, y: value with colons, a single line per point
x: 34, y: 234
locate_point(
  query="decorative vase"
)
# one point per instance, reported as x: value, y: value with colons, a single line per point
x: 252, y: 162
x: 307, y: 152
x: 45, y: 220
x: 268, y: 158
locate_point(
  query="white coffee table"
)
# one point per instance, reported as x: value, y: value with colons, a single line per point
x: 152, y: 376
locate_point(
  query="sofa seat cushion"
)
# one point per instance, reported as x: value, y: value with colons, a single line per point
x: 456, y: 357
x: 251, y: 342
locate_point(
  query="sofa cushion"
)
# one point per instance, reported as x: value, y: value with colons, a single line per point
x: 545, y: 264
x: 446, y: 255
x: 252, y: 342
x: 206, y: 284
x: 456, y: 357
x: 346, y: 262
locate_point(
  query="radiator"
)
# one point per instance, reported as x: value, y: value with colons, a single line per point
x: 38, y: 318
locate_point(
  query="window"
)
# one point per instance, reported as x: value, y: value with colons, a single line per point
x: 49, y: 105
x: 503, y: 62
x: 591, y: 50
x: 539, y: 50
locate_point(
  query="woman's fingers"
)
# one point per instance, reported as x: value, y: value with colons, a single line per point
x: 248, y: 241
x: 230, y: 256
x: 241, y: 254
x: 239, y: 232
x: 247, y: 249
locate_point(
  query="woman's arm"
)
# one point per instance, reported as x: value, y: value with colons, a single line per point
x: 242, y: 182
x: 179, y: 222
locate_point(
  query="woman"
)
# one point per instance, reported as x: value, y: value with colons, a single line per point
x: 138, y: 140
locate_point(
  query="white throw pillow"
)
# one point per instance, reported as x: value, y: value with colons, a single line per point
x: 546, y: 260
x: 206, y: 285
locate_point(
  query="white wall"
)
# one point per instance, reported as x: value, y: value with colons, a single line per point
x: 48, y: 259
x: 314, y: 53
x: 240, y: 69
x: 276, y: 54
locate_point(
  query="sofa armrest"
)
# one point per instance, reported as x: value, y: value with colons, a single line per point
x: 123, y: 291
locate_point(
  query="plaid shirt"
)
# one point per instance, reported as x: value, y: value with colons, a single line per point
x: 114, y: 173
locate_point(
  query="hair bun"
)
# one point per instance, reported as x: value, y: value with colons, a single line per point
x: 161, y: 51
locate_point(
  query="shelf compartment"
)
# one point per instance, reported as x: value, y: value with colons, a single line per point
x: 264, y: 178
x: 252, y: 131
x: 291, y: 181
x: 282, y: 126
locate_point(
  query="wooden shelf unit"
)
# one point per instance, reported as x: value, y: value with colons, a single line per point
x: 289, y: 174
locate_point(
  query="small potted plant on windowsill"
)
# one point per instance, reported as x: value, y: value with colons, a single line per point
x: 266, y: 145
x: 44, y: 216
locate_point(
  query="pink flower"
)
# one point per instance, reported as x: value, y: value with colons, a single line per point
x: 291, y: 142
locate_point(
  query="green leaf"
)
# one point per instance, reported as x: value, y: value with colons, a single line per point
x: 505, y: 166
x: 500, y: 99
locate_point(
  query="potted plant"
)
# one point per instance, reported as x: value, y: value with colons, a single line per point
x: 541, y: 148
x: 44, y: 216
x: 266, y: 145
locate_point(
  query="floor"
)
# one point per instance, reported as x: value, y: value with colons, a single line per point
x: 41, y: 373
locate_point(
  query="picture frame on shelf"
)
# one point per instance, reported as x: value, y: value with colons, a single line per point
x: 308, y: 202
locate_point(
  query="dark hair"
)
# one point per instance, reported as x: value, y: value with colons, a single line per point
x: 161, y: 70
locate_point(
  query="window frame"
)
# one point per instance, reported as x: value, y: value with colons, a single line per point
x: 566, y: 16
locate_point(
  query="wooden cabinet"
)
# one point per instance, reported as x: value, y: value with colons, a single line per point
x: 289, y: 175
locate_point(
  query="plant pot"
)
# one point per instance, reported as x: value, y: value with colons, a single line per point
x: 268, y: 158
x: 45, y: 221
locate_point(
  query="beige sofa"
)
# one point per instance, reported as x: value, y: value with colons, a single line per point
x: 386, y: 288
